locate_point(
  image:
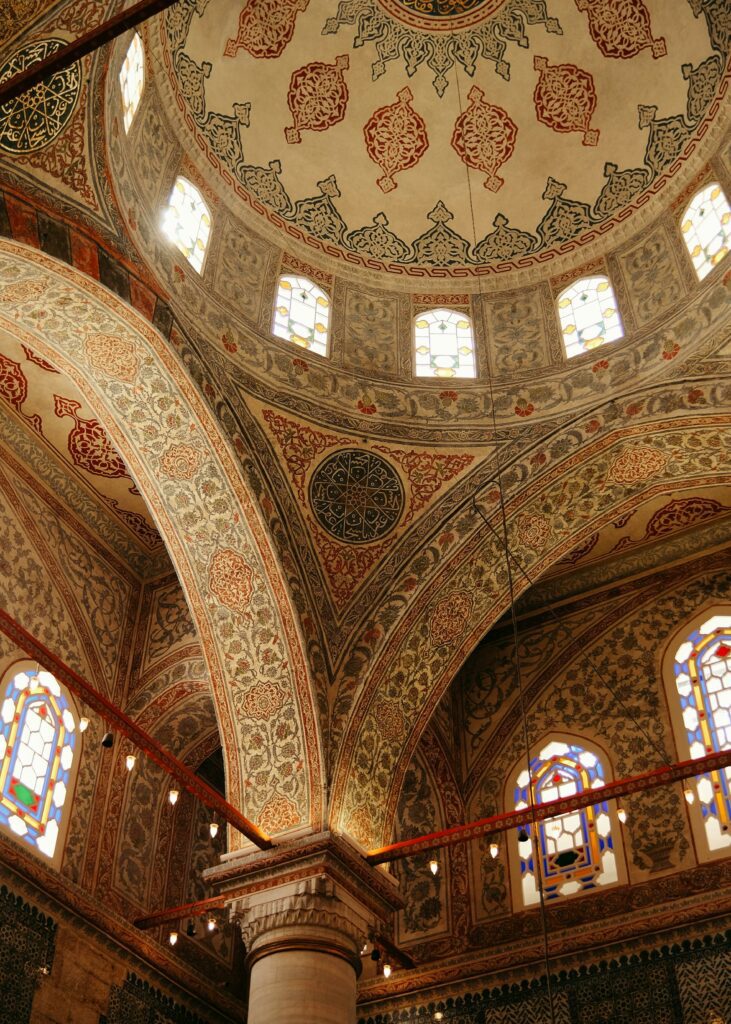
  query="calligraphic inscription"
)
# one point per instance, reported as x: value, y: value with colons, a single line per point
x: 39, y: 115
x: 356, y: 496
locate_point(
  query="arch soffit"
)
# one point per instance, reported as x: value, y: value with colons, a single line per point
x: 556, y: 504
x: 182, y: 466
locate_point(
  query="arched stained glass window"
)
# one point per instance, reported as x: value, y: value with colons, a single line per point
x: 38, y: 739
x: 706, y: 229
x: 443, y: 344
x: 302, y: 314
x: 577, y: 850
x: 187, y: 222
x: 589, y: 315
x: 132, y: 80
x: 702, y: 672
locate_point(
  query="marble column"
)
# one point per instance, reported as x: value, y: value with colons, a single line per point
x: 305, y: 910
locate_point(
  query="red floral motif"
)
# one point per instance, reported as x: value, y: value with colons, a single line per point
x: 231, y: 580
x: 264, y: 701
x: 278, y: 814
x: 603, y: 364
x: 637, y: 463
x: 396, y: 139
x: 670, y: 349
x: 696, y: 395
x: 524, y: 408
x: 565, y: 99
x: 180, y: 461
x: 450, y: 617
x: 299, y: 445
x: 484, y: 137
x: 533, y: 531
x: 390, y: 721
x: 33, y: 358
x: 366, y: 408
x: 265, y: 27
x: 88, y: 444
x: 447, y: 397
x: 112, y: 355
x: 360, y: 826
x: 317, y: 97
x: 621, y: 28
x: 13, y: 382
x: 300, y: 367
x: 426, y: 473
x: 682, y: 512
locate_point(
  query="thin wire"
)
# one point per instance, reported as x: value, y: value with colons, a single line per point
x: 584, y: 655
x: 511, y: 591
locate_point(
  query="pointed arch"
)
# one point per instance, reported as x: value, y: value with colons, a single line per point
x: 214, y: 534
x: 132, y: 80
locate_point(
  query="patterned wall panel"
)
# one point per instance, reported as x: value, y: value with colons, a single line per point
x: 137, y: 1002
x: 27, y: 943
x: 653, y: 278
x: 367, y: 327
x: 522, y: 331
x: 688, y: 983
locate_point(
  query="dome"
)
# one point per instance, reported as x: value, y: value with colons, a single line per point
x: 437, y: 137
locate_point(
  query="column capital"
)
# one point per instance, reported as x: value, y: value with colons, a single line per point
x: 315, y: 892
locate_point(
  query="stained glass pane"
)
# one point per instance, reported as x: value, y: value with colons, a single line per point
x: 187, y: 222
x: 132, y: 80
x: 706, y: 229
x: 443, y: 344
x: 576, y: 849
x: 37, y: 746
x: 302, y: 314
x: 589, y: 315
x: 703, y: 683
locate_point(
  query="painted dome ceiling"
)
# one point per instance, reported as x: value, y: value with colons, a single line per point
x: 354, y: 127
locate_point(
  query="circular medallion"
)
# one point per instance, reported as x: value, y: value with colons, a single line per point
x: 356, y: 496
x: 441, y: 15
x: 39, y: 115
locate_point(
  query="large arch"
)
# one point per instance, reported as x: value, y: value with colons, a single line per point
x: 182, y: 466
x: 584, y: 477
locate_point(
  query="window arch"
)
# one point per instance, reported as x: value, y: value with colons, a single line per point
x: 700, y: 695
x: 443, y: 344
x: 38, y: 757
x: 578, y: 850
x: 589, y: 315
x: 302, y: 314
x: 187, y: 222
x: 132, y: 80
x: 706, y: 228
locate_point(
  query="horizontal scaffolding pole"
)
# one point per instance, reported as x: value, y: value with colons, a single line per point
x: 540, y: 812
x: 119, y: 722
x: 90, y: 41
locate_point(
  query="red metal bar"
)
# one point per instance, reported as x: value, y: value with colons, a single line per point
x: 121, y: 723
x: 196, y: 909
x: 14, y: 87
x: 538, y: 812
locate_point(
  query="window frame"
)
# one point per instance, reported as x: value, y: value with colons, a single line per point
x: 444, y: 382
x: 9, y: 668
x: 696, y: 270
x: 293, y: 275
x: 592, y: 352
x: 514, y: 858
x: 173, y: 241
x: 679, y: 635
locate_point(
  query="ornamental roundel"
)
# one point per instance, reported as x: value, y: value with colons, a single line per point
x: 317, y: 97
x: 565, y: 99
x: 36, y: 118
x: 441, y: 15
x: 621, y: 28
x: 396, y: 139
x: 265, y: 27
x: 356, y: 496
x: 484, y: 137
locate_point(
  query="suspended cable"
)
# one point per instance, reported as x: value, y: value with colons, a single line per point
x: 535, y: 828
